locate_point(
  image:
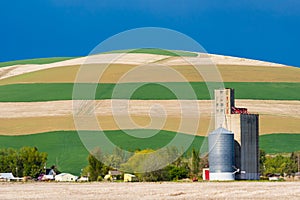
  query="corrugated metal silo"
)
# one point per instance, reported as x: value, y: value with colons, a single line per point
x: 221, y: 154
x: 249, y: 147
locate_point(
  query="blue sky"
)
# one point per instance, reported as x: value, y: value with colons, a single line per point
x: 259, y: 29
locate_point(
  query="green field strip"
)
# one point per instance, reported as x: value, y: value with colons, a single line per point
x: 35, y: 61
x: 145, y: 91
x: 66, y: 150
x: 156, y: 51
x: 280, y: 143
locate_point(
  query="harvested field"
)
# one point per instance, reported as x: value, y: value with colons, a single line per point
x: 165, y: 190
x: 235, y: 73
x: 218, y: 60
x: 158, y: 108
x: 35, y: 117
x: 117, y: 58
x: 113, y: 74
x: 232, y: 69
x: 32, y: 125
x: 278, y: 124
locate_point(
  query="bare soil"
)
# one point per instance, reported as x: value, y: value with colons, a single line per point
x: 164, y: 190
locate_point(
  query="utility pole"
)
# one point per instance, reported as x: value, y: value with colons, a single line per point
x: 298, y: 162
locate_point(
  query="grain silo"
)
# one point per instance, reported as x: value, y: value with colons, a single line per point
x: 221, y: 154
x: 245, y: 127
x: 249, y: 147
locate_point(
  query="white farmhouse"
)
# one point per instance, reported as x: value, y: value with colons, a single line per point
x: 65, y: 177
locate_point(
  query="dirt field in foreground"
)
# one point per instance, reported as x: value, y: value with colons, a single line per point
x: 166, y: 190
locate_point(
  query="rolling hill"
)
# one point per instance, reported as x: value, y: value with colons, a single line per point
x: 36, y: 98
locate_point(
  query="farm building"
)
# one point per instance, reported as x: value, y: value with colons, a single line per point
x: 65, y: 177
x: 46, y: 177
x: 245, y: 128
x: 8, y: 177
x: 113, y: 175
x: 130, y: 178
x: 83, y: 179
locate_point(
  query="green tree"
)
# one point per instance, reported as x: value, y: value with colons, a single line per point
x: 27, y: 161
x: 280, y: 164
x: 115, y: 159
x: 149, y: 165
x: 176, y: 173
x: 262, y: 160
x: 96, y: 168
x: 148, y: 160
x: 31, y: 162
x: 195, y: 163
x: 295, y: 157
x: 136, y: 163
x: 157, y: 175
x: 174, y: 155
x: 8, y: 160
x: 203, y: 162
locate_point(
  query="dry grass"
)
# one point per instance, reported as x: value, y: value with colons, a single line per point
x: 67, y: 74
x: 279, y: 124
x: 259, y: 74
x: 30, y: 125
x: 115, y: 72
x: 22, y: 126
x: 52, y: 75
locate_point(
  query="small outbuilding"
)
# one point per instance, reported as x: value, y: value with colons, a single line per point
x: 83, y: 179
x: 130, y: 178
x: 274, y: 177
x: 65, y: 177
x: 8, y: 177
x: 113, y: 175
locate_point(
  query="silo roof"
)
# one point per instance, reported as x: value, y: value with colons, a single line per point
x: 221, y: 130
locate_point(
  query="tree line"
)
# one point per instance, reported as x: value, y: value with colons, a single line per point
x: 279, y: 164
x: 185, y: 166
x: 26, y: 161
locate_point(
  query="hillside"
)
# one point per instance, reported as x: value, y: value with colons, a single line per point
x: 36, y: 96
x: 39, y: 81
